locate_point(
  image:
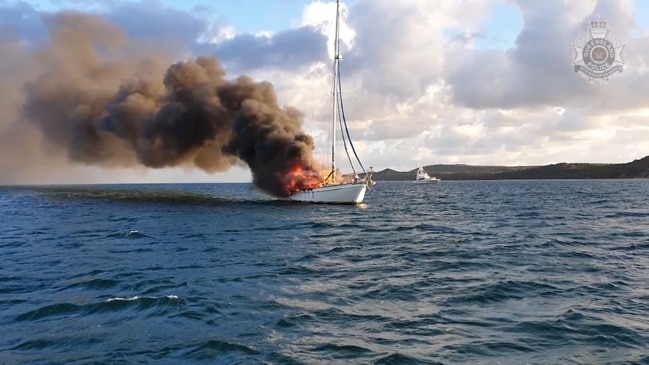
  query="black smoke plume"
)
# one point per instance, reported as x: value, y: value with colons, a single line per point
x: 108, y: 101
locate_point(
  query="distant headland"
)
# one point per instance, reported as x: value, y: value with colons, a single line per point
x: 635, y: 169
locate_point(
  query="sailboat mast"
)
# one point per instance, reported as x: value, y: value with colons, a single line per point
x: 334, y: 95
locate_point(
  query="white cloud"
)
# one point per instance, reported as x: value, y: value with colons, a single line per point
x: 217, y: 33
x: 323, y: 16
x: 493, y: 106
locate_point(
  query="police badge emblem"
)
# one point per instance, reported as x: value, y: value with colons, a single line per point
x: 597, y: 53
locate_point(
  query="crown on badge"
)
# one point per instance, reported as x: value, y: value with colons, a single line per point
x: 598, y: 24
x: 598, y: 27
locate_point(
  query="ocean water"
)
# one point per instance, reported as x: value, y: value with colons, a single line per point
x: 474, y: 272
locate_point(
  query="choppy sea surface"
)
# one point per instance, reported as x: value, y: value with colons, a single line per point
x: 475, y: 272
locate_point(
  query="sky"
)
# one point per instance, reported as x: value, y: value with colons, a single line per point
x: 487, y: 82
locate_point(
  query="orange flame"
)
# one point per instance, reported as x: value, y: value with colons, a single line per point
x: 328, y: 178
x: 299, y: 178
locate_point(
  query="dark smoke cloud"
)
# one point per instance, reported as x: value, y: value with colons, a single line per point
x: 107, y: 101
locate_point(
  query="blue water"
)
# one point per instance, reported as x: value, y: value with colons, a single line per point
x: 500, y: 272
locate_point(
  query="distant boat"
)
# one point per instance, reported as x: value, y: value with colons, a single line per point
x: 335, y: 189
x: 423, y: 177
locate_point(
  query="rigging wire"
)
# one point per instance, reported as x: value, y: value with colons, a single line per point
x: 344, y: 120
x: 341, y: 116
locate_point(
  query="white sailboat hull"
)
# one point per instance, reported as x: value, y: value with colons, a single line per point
x: 333, y: 194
